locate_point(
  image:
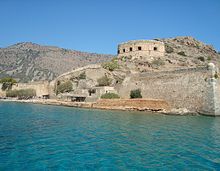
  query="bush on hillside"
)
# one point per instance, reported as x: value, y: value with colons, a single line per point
x: 112, y: 65
x: 181, y: 53
x: 135, y: 94
x: 110, y: 96
x: 82, y: 76
x: 21, y: 94
x: 104, y: 81
x: 64, y: 87
x: 168, y: 49
x: 158, y: 62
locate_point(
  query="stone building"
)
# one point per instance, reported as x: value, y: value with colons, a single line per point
x: 141, y: 49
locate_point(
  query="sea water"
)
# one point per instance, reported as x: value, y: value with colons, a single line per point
x: 40, y: 137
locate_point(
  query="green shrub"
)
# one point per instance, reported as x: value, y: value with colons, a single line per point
x: 64, y: 87
x: 168, y: 49
x: 124, y: 58
x: 110, y: 96
x: 22, y: 94
x: 112, y: 65
x: 7, y: 83
x: 135, y: 94
x: 158, y: 62
x: 104, y: 81
x: 82, y: 76
x: 209, y: 58
x: 8, y: 80
x: 201, y: 58
x: 181, y: 53
x: 216, y: 76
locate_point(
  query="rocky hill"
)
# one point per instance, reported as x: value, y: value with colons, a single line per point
x: 186, y: 52
x: 181, y: 52
x: 31, y: 62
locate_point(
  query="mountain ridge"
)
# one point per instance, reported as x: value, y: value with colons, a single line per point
x: 27, y: 61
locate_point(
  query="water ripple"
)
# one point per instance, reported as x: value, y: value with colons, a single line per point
x: 36, y: 137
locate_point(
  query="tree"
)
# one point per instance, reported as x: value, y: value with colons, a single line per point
x: 7, y: 83
x: 135, y: 94
x: 64, y: 87
x: 104, y: 81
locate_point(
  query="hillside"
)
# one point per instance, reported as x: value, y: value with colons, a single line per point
x: 180, y: 52
x: 32, y: 62
x: 189, y: 52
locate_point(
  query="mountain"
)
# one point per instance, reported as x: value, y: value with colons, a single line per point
x: 32, y: 62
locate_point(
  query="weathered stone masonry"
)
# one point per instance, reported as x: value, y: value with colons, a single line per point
x: 141, y: 49
x: 195, y: 89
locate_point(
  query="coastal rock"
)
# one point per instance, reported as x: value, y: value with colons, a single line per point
x: 180, y: 111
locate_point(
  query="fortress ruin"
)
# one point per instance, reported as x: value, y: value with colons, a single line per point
x: 141, y: 49
x: 177, y: 90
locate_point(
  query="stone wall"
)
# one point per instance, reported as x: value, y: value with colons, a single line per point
x: 41, y: 87
x: 194, y: 89
x: 216, y: 98
x: 141, y: 49
x: 2, y: 93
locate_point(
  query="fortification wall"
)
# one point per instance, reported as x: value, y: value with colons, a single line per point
x: 194, y: 89
x: 41, y: 87
x: 216, y: 98
x: 2, y: 93
x: 141, y: 49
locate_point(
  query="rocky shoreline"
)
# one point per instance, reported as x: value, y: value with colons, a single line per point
x: 155, y: 106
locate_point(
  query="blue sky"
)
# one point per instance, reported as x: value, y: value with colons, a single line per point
x: 99, y: 25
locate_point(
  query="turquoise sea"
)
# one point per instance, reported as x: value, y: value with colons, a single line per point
x: 39, y: 137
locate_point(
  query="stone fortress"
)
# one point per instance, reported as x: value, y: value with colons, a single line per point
x: 192, y: 89
x: 141, y: 49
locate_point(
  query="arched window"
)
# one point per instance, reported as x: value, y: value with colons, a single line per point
x: 123, y: 50
x: 130, y: 48
x: 139, y: 47
x: 155, y: 48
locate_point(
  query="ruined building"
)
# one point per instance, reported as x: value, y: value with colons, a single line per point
x: 141, y: 49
